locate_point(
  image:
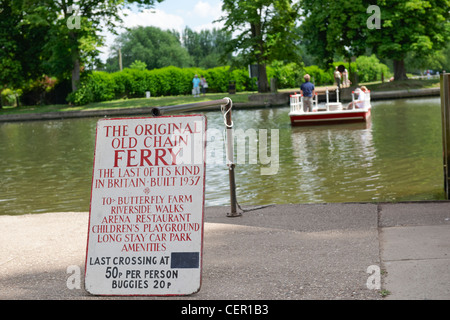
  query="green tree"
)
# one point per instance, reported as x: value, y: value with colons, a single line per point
x: 263, y: 31
x: 406, y: 27
x: 155, y: 47
x: 10, y: 65
x: 414, y: 26
x: 138, y: 65
x: 438, y: 60
x: 206, y: 47
x: 333, y: 29
x: 75, y: 33
x: 23, y: 33
x: 22, y: 37
x: 370, y: 68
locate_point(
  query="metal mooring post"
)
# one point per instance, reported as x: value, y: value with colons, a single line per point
x: 445, y: 112
x: 230, y: 158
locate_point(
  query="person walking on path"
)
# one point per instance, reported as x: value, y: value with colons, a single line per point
x: 196, y: 86
x: 307, y: 90
x: 203, y: 84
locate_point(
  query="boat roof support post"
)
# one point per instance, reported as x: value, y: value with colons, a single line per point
x: 328, y: 99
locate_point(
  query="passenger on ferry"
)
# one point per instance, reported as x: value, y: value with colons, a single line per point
x: 359, y: 103
x: 307, y: 90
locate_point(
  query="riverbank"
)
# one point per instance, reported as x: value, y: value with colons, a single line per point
x: 345, y: 95
x: 142, y: 107
x: 282, y: 252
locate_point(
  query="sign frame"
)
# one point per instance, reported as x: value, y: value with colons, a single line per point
x: 112, y: 273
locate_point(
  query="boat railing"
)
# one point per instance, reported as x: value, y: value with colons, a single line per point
x: 333, y: 106
x: 368, y: 98
x: 296, y: 102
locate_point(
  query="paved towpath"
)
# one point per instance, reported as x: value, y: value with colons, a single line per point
x: 282, y: 252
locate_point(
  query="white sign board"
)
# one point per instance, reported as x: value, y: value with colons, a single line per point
x: 146, y: 217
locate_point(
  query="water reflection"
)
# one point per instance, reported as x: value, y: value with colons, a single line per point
x: 331, y: 159
x: 47, y: 165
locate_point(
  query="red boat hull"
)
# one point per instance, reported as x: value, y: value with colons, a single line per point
x: 320, y: 118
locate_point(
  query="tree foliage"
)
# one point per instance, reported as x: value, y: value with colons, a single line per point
x: 56, y: 37
x: 406, y: 26
x: 162, y: 48
x: 21, y: 43
x: 155, y: 47
x: 331, y: 28
x: 139, y: 65
x: 414, y: 26
x: 263, y: 32
x: 206, y: 47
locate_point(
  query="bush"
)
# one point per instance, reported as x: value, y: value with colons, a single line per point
x: 288, y: 75
x: 139, y: 65
x: 97, y: 86
x: 219, y: 79
x: 242, y: 79
x: 133, y: 83
x: 136, y: 83
x: 36, y: 91
x: 318, y: 76
x: 9, y: 96
x: 370, y: 69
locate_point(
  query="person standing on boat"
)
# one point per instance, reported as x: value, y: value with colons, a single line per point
x: 307, y: 90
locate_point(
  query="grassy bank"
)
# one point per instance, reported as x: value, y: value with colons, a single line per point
x: 126, y: 103
x: 240, y: 97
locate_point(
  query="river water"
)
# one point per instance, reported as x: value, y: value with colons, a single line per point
x: 46, y: 166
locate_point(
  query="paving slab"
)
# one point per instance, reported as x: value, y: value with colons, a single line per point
x: 415, y: 250
x: 414, y: 213
x: 282, y: 252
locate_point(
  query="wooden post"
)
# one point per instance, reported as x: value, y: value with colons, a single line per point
x: 120, y: 59
x: 445, y: 112
x: 273, y: 85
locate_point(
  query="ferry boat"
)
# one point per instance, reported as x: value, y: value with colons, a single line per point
x: 328, y: 113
